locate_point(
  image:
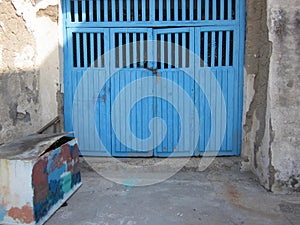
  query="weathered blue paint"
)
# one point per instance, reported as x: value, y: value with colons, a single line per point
x: 48, y: 172
x: 62, y: 175
x: 215, y: 35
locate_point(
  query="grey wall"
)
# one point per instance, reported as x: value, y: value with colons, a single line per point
x: 272, y: 94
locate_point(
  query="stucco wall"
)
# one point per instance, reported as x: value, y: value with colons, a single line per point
x: 284, y: 93
x: 29, y: 66
x: 272, y: 93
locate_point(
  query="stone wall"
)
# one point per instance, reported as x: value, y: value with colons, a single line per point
x: 29, y: 66
x: 284, y: 93
x: 272, y: 90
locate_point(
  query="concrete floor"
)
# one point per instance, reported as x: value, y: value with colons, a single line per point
x: 219, y: 195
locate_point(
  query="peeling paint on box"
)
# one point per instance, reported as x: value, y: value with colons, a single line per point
x: 55, y: 177
x: 23, y: 215
x: 35, y: 183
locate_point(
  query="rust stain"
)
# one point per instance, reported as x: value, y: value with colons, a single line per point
x: 64, y: 155
x: 75, y: 159
x: 40, y: 181
x: 104, y: 98
x: 24, y: 214
x: 234, y: 197
x: 157, y: 77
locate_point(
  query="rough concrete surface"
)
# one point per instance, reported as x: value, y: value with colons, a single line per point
x: 29, y: 66
x: 272, y: 93
x: 219, y: 195
x: 284, y: 26
x: 257, y: 59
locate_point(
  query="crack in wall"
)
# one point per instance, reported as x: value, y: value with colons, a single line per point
x: 258, y: 59
x: 271, y: 167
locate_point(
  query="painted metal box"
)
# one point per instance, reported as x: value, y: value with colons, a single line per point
x: 38, y: 174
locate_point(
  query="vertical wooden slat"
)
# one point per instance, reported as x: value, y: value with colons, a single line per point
x: 227, y: 48
x: 152, y: 10
x: 206, y: 9
x: 199, y: 10
x: 92, y: 50
x: 78, y: 53
x: 122, y: 80
x: 160, y: 8
x: 168, y: 9
x: 128, y: 10
x: 176, y: 10
x: 155, y: 51
x: 113, y: 10
x: 136, y: 10
x: 105, y: 10
x: 229, y: 9
x: 205, y: 48
x: 213, y: 48
x: 70, y: 14
x: 184, y: 50
x: 83, y: 11
x: 213, y: 107
x: 76, y: 16
x: 120, y: 47
x: 99, y: 50
x: 191, y: 10
x: 222, y: 9
x: 141, y: 44
x: 91, y: 11
x: 169, y: 51
x: 121, y: 10
x: 127, y: 51
x: 85, y: 58
x: 98, y: 11
x: 162, y: 50
x: 230, y: 109
x: 176, y: 50
x: 202, y: 107
x: 143, y: 6
x: 183, y: 5
x: 134, y: 50
x: 214, y: 11
x: 220, y: 48
x: 169, y: 116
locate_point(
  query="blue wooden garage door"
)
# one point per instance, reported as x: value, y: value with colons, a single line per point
x: 154, y: 78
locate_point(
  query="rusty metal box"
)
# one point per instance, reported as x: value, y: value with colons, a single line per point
x: 38, y: 174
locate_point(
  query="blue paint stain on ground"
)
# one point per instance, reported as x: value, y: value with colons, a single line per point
x: 129, y: 183
x: 2, y: 213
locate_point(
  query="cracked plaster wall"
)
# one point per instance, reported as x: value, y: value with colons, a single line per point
x: 271, y: 127
x: 284, y: 93
x: 29, y: 66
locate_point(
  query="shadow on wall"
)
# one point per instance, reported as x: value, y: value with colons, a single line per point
x: 20, y: 106
x: 29, y: 87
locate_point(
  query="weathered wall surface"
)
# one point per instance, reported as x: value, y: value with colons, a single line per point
x: 284, y: 92
x: 29, y: 66
x: 256, y: 115
x: 272, y: 90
